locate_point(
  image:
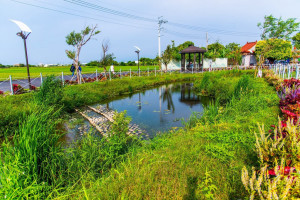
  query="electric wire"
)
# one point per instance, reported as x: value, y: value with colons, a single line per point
x: 64, y: 12
x: 99, y: 8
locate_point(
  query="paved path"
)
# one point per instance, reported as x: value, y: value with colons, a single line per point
x: 5, y: 85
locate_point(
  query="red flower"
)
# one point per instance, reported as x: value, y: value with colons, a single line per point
x: 1, y: 92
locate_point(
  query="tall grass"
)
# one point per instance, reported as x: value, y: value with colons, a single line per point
x: 30, y: 162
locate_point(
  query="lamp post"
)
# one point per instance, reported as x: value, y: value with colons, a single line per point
x: 24, y: 33
x: 138, y: 54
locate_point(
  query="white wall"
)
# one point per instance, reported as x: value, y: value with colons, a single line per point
x: 248, y: 60
x: 220, y: 62
x: 173, y: 65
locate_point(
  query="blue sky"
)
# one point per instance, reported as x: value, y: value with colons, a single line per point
x: 224, y: 20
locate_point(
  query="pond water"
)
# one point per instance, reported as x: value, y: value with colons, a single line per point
x: 156, y: 110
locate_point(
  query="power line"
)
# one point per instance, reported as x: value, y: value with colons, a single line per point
x: 123, y: 14
x: 96, y: 7
x: 64, y: 12
x: 224, y: 32
x: 108, y: 10
x: 76, y: 10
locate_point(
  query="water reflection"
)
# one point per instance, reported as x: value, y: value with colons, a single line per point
x: 160, y: 109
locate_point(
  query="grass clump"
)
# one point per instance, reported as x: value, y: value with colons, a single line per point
x: 51, y: 92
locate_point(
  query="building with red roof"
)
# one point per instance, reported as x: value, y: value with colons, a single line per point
x: 248, y: 54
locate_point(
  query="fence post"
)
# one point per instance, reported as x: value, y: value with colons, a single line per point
x: 193, y: 70
x: 62, y: 78
x: 120, y: 74
x: 297, y: 71
x: 80, y: 77
x: 11, y: 85
x: 109, y: 74
x: 148, y: 71
x: 130, y: 72
x: 289, y: 71
x: 96, y: 75
x: 155, y: 71
x: 41, y: 79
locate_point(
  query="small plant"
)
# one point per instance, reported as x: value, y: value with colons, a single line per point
x: 206, y: 186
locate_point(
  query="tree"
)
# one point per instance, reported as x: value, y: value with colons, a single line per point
x: 273, y: 49
x: 296, y: 40
x: 176, y: 50
x: 233, y: 53
x: 106, y: 59
x: 216, y: 50
x: 78, y: 40
x: 167, y: 56
x: 278, y: 28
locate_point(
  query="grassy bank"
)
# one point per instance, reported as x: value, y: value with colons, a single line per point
x: 21, y: 73
x: 201, y: 161
x: 205, y: 160
x: 15, y: 108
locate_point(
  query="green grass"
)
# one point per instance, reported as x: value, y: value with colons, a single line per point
x: 15, y: 108
x: 201, y: 161
x: 21, y: 72
x: 221, y: 142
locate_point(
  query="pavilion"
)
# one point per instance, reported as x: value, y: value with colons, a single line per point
x: 192, y: 50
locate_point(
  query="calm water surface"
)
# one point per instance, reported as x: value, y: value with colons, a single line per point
x: 154, y: 110
x: 161, y: 108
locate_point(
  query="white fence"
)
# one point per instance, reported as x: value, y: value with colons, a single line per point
x: 17, y: 86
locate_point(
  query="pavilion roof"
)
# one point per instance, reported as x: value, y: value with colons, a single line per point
x: 193, y: 49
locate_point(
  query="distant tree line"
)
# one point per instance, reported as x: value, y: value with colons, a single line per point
x: 143, y: 62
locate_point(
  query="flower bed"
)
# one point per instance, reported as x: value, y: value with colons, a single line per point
x: 18, y: 89
x: 279, y: 149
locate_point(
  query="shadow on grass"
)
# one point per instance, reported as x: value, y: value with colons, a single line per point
x: 192, y: 183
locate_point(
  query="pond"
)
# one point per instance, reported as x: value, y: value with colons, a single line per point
x: 154, y: 110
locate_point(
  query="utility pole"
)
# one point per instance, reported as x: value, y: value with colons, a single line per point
x: 160, y: 23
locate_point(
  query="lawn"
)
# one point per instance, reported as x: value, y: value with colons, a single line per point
x: 21, y: 72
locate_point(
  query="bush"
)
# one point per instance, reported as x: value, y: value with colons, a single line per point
x: 51, y: 92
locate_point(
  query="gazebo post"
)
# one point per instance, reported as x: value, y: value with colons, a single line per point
x: 194, y: 62
x: 199, y: 64
x: 202, y: 60
x: 182, y: 62
x: 189, y: 59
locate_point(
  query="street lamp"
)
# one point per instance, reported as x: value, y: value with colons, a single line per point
x: 24, y: 33
x: 138, y: 54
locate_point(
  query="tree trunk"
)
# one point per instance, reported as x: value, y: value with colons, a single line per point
x: 77, y: 64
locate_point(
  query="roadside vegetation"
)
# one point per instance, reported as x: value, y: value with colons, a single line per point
x: 203, y: 160
x: 21, y: 73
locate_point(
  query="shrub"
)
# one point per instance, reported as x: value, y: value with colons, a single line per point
x: 51, y: 92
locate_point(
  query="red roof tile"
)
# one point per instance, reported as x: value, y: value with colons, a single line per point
x: 246, y: 47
